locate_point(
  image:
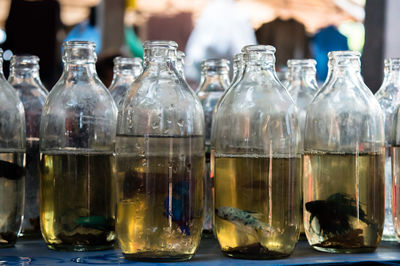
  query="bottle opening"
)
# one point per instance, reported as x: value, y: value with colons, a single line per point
x: 392, y: 63
x: 344, y: 54
x: 344, y: 58
x: 301, y: 63
x: 79, y: 52
x: 161, y: 44
x: 127, y: 61
x: 259, y: 49
x: 24, y: 61
x: 217, y: 65
x: 160, y: 49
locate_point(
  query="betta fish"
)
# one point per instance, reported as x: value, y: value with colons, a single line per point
x: 246, y: 220
x: 334, y: 212
x: 178, y: 208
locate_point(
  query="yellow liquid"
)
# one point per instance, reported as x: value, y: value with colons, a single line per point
x: 268, y: 190
x: 76, y: 211
x: 160, y: 197
x: 344, y: 201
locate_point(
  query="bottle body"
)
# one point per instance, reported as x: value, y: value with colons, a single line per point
x: 256, y: 164
x: 344, y: 162
x: 215, y: 81
x: 12, y: 162
x: 388, y: 97
x: 77, y: 132
x: 24, y: 77
x: 160, y: 163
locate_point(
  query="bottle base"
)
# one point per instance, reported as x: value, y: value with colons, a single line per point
x: 254, y: 252
x: 69, y: 247
x: 344, y: 250
x: 158, y: 257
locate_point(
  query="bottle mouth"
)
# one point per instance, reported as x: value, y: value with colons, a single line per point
x: 180, y: 55
x: 79, y: 52
x: 24, y: 61
x: 160, y: 44
x: 392, y: 62
x: 119, y: 60
x: 301, y: 63
x: 215, y: 64
x: 344, y: 54
x: 79, y: 44
x: 259, y: 49
x: 238, y: 57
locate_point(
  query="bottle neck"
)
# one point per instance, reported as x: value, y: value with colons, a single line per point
x: 81, y: 70
x: 213, y: 77
x: 303, y: 74
x: 392, y: 75
x: 24, y: 74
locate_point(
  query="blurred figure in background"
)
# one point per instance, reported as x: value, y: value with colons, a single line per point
x: 220, y: 32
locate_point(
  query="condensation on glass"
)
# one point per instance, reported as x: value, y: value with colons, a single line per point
x: 256, y: 163
x: 388, y: 97
x: 344, y: 161
x: 160, y: 162
x: 24, y: 77
x: 77, y: 133
x: 12, y: 162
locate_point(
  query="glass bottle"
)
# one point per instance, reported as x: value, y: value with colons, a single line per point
x: 126, y: 71
x: 160, y: 162
x: 237, y: 67
x: 256, y: 159
x: 215, y: 80
x: 344, y: 161
x: 77, y: 140
x: 180, y: 63
x: 12, y: 162
x: 388, y: 97
x: 24, y: 77
x: 302, y: 85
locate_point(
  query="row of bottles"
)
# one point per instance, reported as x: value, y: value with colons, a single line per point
x: 264, y: 165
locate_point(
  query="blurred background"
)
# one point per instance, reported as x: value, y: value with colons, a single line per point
x: 203, y: 29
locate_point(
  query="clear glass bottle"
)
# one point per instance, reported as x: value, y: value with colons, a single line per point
x: 388, y: 97
x: 126, y: 71
x: 180, y: 63
x: 302, y: 85
x: 160, y: 162
x: 215, y: 80
x: 12, y: 162
x: 24, y: 77
x: 77, y: 140
x: 344, y: 162
x: 256, y: 159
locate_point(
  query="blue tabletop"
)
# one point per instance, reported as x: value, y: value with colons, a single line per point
x: 34, y: 252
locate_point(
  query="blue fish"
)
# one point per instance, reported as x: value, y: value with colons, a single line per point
x: 178, y: 210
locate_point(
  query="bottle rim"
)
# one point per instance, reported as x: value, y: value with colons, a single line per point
x: 160, y: 43
x: 79, y: 44
x: 24, y: 59
x: 301, y: 62
x: 119, y: 60
x: 180, y: 55
x: 215, y: 62
x: 344, y: 54
x: 392, y: 61
x: 259, y: 48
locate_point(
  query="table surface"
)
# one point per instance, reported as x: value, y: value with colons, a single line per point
x: 34, y: 252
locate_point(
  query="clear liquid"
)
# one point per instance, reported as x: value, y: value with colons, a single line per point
x: 31, y: 224
x: 257, y: 205
x: 76, y: 201
x: 160, y: 196
x: 344, y: 201
x: 12, y: 188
